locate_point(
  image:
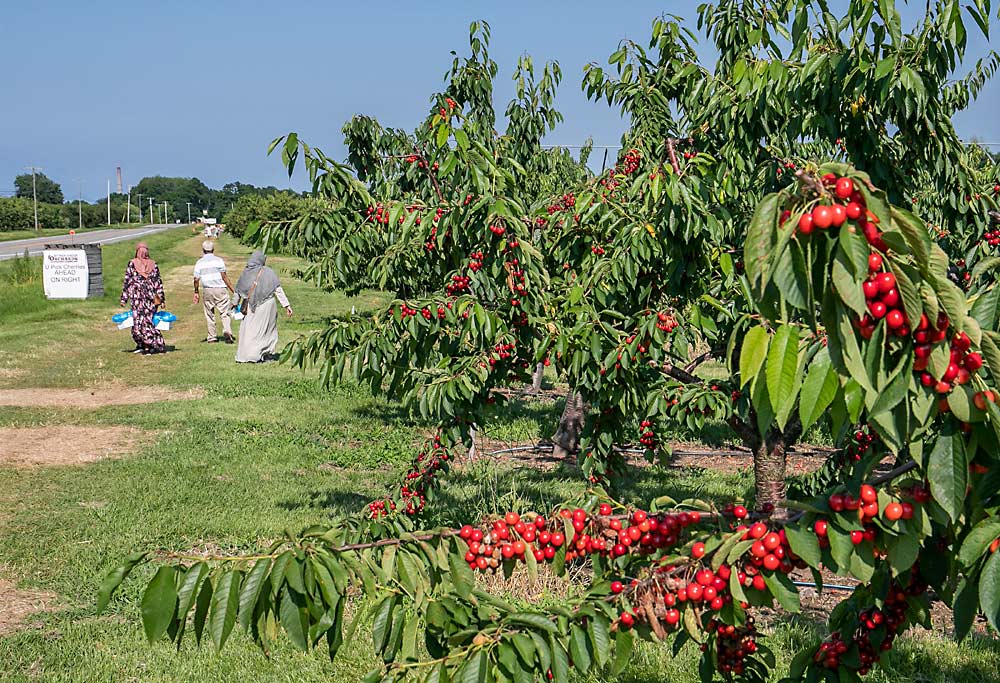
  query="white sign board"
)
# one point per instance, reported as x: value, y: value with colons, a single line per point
x: 65, y: 273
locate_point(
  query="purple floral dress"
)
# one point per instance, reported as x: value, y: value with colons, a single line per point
x: 141, y: 291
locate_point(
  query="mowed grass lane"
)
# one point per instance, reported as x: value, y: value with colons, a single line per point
x: 266, y: 449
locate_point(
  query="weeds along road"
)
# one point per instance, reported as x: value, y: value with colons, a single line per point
x: 36, y: 245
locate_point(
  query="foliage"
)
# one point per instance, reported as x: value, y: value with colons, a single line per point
x: 45, y: 189
x: 17, y: 213
x: 279, y: 207
x: 823, y: 297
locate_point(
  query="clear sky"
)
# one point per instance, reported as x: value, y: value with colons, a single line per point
x: 183, y: 88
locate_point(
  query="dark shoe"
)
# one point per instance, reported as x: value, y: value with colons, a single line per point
x: 229, y: 339
x: 209, y: 341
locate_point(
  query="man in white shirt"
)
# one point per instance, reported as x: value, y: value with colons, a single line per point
x: 210, y: 274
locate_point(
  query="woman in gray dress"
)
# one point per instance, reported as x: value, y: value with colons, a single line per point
x: 260, y: 288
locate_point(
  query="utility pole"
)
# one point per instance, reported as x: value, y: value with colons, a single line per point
x: 151, y: 219
x: 109, y: 201
x: 34, y: 192
x: 79, y: 205
x: 128, y: 206
x: 139, y: 203
x: 189, y: 212
x: 164, y: 213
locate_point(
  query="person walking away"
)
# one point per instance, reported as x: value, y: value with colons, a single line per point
x: 210, y: 275
x: 144, y: 288
x: 258, y: 287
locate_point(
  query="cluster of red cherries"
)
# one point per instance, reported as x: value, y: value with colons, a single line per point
x: 628, y: 165
x: 459, y: 285
x: 962, y: 363
x: 603, y: 534
x: 647, y: 438
x: 848, y: 204
x: 891, y: 617
x: 733, y: 644
x: 883, y: 301
x: 378, y: 214
x: 665, y: 322
x: 429, y: 462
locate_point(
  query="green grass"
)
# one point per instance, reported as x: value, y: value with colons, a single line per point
x: 266, y: 449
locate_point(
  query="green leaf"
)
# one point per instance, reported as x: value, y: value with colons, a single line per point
x: 783, y: 590
x: 381, y: 625
x: 947, y: 471
x: 195, y: 574
x: 965, y: 607
x: 760, y: 241
x: 978, y: 540
x: 782, y: 367
x: 560, y: 662
x: 579, y: 649
x: 989, y: 591
x: 474, y: 670
x: 114, y: 579
x: 202, y: 606
x: 461, y: 574
x: 159, y: 602
x: 537, y: 621
x: 818, y: 390
x: 848, y: 288
x: 225, y: 602
x: 624, y: 640
x: 294, y: 618
x: 251, y: 591
x: 754, y: 352
x: 805, y: 544
x: 600, y: 638
x: 902, y: 552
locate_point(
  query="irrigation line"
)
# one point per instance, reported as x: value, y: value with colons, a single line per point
x: 832, y: 586
x: 540, y: 448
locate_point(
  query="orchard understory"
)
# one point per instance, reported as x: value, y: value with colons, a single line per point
x: 718, y: 236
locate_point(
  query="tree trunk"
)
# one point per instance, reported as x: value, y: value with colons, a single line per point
x: 769, y: 474
x: 566, y: 440
x: 536, y: 379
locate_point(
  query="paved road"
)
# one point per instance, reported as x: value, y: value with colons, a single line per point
x: 36, y: 245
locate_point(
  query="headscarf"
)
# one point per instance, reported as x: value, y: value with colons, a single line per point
x: 266, y: 280
x: 142, y: 263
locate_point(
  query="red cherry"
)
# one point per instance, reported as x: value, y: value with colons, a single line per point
x: 771, y: 562
x: 844, y: 188
x: 771, y: 541
x: 617, y: 587
x: 893, y: 511
x: 839, y: 215
x: 950, y: 373
x: 868, y: 494
x: 894, y: 319
x: 820, y: 527
x: 973, y: 362
x: 857, y: 537
x: 877, y: 309
x: 822, y: 217
x: 626, y: 619
x: 806, y: 224
x: 886, y: 281
x: 875, y: 262
x: 870, y: 288
x: 698, y: 550
x: 739, y: 512
x: 854, y: 211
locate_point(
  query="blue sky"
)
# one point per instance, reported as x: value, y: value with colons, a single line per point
x: 187, y: 88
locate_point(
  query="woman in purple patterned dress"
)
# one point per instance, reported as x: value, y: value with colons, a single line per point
x: 144, y: 288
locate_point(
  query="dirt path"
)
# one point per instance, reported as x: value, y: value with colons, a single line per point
x: 97, y: 397
x: 66, y: 445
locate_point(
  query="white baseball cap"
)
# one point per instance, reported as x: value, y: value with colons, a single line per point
x: 208, y: 245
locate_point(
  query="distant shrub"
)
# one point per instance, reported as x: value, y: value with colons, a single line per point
x: 17, y: 213
x: 277, y: 207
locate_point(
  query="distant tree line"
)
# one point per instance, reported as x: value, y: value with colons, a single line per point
x: 244, y: 201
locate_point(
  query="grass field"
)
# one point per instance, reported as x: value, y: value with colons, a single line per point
x: 264, y: 449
